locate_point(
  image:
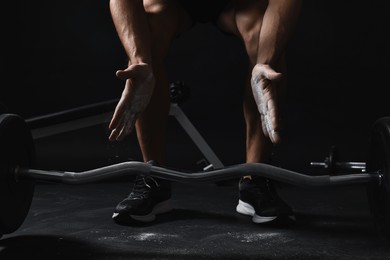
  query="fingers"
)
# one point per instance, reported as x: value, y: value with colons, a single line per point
x: 264, y: 71
x: 141, y: 71
x: 265, y: 94
x: 272, y: 75
x: 271, y: 117
x: 127, y: 126
x: 273, y: 114
x: 122, y: 122
x: 118, y: 114
x: 124, y: 128
x: 125, y: 74
x: 116, y: 130
x: 113, y: 135
x: 275, y: 137
x: 268, y: 130
x: 263, y: 126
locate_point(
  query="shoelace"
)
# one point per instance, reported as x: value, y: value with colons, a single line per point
x: 141, y: 188
x: 260, y: 190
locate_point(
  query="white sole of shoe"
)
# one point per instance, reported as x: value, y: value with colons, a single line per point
x: 246, y: 209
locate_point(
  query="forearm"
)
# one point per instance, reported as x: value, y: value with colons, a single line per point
x: 130, y: 20
x: 278, y: 25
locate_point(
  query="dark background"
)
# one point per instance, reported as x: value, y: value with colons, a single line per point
x: 58, y: 55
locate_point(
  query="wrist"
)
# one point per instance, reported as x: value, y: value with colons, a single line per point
x: 139, y: 62
x: 140, y: 59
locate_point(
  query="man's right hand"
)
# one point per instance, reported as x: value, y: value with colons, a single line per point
x: 135, y: 98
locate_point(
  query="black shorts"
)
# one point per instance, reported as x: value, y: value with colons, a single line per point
x: 204, y: 10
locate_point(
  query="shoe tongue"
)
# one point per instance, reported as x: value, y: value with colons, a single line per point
x: 143, y: 184
x: 259, y: 182
x: 152, y: 162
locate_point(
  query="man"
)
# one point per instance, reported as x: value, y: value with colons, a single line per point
x: 146, y: 30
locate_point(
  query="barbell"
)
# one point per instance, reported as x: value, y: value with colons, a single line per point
x: 18, y: 177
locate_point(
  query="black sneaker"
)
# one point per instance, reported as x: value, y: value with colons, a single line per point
x: 147, y: 198
x: 258, y: 199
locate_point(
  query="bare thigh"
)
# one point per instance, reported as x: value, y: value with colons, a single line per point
x: 167, y: 19
x: 244, y: 19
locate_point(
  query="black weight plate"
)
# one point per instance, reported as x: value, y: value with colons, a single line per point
x: 378, y: 161
x: 16, y: 149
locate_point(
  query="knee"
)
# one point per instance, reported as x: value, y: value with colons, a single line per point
x: 250, y: 32
x: 157, y: 17
x: 161, y: 15
x: 251, y: 42
x: 153, y: 6
x: 249, y: 19
x: 162, y: 25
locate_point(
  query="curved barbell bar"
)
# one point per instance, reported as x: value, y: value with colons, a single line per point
x: 259, y: 169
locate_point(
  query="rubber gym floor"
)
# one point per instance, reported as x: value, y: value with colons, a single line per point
x: 74, y: 221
